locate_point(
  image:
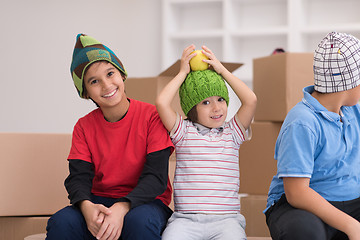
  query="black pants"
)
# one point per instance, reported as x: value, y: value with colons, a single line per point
x: 286, y: 222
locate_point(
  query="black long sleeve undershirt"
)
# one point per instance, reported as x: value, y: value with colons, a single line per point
x: 152, y: 182
x: 79, y: 182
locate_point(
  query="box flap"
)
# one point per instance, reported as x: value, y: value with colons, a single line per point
x: 231, y: 66
x: 174, y: 69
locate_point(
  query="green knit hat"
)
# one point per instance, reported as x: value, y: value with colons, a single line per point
x: 199, y: 85
x: 88, y: 50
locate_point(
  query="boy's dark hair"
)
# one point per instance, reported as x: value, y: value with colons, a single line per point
x: 193, y: 115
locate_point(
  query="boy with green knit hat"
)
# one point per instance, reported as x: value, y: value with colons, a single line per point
x: 118, y: 183
x: 206, y: 182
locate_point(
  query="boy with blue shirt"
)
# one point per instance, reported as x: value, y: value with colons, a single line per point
x: 315, y: 193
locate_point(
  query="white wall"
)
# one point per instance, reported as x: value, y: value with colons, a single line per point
x: 36, y: 43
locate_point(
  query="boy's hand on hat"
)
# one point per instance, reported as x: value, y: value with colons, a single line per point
x: 185, y: 58
x: 213, y: 61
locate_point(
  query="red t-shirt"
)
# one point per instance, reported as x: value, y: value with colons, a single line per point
x: 118, y: 150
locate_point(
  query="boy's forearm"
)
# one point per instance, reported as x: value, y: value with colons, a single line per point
x: 248, y: 99
x: 166, y: 96
x: 169, y: 91
x: 305, y: 198
x: 328, y: 213
x: 242, y: 91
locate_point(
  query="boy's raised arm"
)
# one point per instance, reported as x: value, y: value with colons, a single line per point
x: 164, y: 99
x: 248, y: 99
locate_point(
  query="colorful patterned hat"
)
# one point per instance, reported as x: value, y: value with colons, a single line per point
x: 199, y: 85
x: 88, y: 50
x: 337, y: 63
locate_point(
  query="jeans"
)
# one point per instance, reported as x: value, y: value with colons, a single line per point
x: 143, y: 222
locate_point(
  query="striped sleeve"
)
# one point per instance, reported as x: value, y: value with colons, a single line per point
x: 178, y: 132
x: 240, y: 134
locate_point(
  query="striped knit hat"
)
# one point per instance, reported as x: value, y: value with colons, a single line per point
x: 199, y: 85
x: 337, y: 63
x: 88, y: 50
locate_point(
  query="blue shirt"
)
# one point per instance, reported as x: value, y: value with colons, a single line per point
x: 321, y: 145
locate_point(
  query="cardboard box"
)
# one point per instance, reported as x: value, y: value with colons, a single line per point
x: 257, y: 164
x: 278, y: 83
x: 248, y: 238
x: 32, y: 173
x: 147, y: 89
x: 252, y: 207
x: 17, y: 228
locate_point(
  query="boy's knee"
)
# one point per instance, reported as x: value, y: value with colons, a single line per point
x: 146, y: 220
x: 140, y: 218
x: 286, y: 222
x: 304, y: 226
x: 68, y: 215
x: 304, y: 233
x: 64, y: 222
x: 138, y: 227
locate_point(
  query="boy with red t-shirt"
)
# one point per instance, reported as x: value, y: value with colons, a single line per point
x: 118, y: 183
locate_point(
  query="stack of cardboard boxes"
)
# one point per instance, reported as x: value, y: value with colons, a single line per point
x: 278, y: 83
x: 32, y: 174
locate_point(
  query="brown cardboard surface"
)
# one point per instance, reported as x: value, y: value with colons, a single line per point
x: 147, y: 89
x: 252, y: 207
x: 248, y: 238
x: 278, y: 83
x: 257, y: 164
x: 32, y: 173
x: 142, y: 89
x: 17, y: 228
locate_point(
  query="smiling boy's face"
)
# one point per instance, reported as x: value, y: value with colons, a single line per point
x: 104, y: 84
x: 212, y: 112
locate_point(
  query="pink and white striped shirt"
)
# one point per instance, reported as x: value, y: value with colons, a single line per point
x: 207, y: 167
